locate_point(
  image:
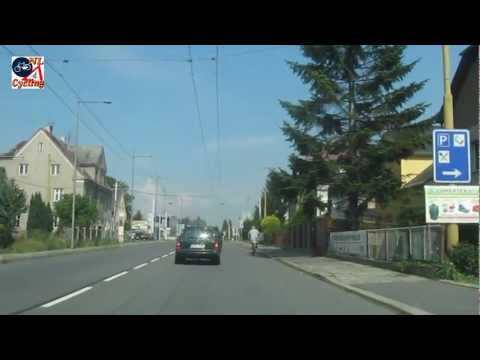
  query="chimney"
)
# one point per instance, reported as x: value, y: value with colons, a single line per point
x: 49, y: 128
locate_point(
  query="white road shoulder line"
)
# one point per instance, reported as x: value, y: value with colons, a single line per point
x: 78, y: 292
x: 140, y: 266
x: 153, y: 260
x: 116, y: 276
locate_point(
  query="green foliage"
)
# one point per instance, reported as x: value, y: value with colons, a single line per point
x: 427, y: 269
x: 407, y: 208
x: 138, y: 216
x: 5, y: 236
x: 465, y: 258
x: 12, y: 204
x: 271, y: 225
x: 39, y: 215
x: 86, y: 213
x: 358, y: 121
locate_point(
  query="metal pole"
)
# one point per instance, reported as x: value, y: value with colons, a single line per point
x: 155, y: 224
x: 74, y: 179
x: 265, y: 203
x: 452, y: 229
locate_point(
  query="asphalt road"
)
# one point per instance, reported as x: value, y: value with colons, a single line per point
x: 143, y: 279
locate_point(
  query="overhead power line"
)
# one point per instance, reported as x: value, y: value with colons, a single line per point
x: 197, y: 103
x: 178, y: 59
x: 218, y: 119
x: 72, y: 111
x: 77, y: 95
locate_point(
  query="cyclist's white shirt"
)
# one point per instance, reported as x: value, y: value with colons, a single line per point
x: 253, y: 234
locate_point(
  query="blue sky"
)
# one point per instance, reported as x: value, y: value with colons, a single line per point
x: 154, y: 112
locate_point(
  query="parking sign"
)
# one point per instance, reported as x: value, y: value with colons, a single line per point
x: 451, y: 156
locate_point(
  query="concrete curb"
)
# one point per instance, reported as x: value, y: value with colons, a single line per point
x: 451, y: 282
x: 393, y: 304
x: 7, y: 258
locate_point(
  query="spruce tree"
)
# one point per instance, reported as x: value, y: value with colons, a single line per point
x: 357, y: 122
x: 39, y: 215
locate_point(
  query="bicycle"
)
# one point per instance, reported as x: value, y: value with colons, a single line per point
x: 22, y: 66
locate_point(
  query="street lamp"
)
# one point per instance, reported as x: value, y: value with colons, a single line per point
x: 74, y: 178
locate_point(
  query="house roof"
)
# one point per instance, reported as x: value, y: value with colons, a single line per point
x: 89, y: 155
x: 86, y: 156
x: 468, y: 59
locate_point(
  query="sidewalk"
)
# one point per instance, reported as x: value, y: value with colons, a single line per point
x: 408, y: 293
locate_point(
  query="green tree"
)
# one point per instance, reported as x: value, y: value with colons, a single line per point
x: 138, y: 216
x: 271, y: 225
x: 39, y: 215
x: 356, y: 123
x: 12, y: 204
x: 86, y: 213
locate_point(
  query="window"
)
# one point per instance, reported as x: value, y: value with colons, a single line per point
x: 55, y: 169
x: 17, y: 221
x: 57, y: 194
x: 40, y: 147
x: 23, y: 169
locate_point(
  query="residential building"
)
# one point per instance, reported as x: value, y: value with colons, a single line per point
x: 44, y: 164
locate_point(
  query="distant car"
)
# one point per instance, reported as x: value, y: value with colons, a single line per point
x: 197, y: 244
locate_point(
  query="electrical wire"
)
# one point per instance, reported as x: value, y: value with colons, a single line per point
x: 77, y: 95
x: 202, y: 135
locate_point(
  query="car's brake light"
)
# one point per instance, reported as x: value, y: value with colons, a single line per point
x: 215, y: 244
x: 178, y: 246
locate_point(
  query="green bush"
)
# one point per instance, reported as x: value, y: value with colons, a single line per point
x: 427, y: 269
x: 22, y: 246
x: 6, y: 238
x: 465, y: 259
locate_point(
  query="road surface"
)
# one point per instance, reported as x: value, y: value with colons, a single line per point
x: 143, y: 279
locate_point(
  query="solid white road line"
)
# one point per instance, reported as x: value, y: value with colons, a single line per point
x: 78, y: 292
x: 116, y: 276
x: 153, y: 260
x: 140, y: 266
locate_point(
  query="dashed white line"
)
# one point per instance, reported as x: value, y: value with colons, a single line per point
x: 171, y: 253
x: 140, y: 266
x: 66, y: 297
x: 153, y: 260
x: 116, y: 276
x: 164, y: 256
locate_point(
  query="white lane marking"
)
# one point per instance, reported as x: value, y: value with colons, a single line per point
x: 66, y: 297
x: 164, y: 256
x: 140, y: 266
x: 116, y: 276
x: 153, y: 260
x: 171, y: 253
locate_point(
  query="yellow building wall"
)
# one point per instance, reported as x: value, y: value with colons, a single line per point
x: 412, y: 167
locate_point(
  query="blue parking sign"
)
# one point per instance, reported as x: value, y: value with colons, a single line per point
x: 451, y: 156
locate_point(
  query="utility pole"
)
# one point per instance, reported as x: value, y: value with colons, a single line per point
x: 265, y: 203
x: 452, y: 229
x: 156, y: 228
x: 132, y: 190
x: 75, y: 150
x: 74, y: 179
x: 260, y: 208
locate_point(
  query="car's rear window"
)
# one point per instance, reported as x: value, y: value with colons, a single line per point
x: 196, y: 235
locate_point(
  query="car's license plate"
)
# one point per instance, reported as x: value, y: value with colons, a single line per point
x: 197, y: 246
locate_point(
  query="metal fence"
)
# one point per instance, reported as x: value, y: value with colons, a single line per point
x: 416, y: 243
x: 89, y: 234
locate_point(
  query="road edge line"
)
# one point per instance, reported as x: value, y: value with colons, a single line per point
x: 456, y: 283
x: 393, y: 304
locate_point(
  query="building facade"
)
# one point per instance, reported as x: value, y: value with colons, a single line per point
x: 44, y: 164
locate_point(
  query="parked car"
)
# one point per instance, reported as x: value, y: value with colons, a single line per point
x: 197, y: 244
